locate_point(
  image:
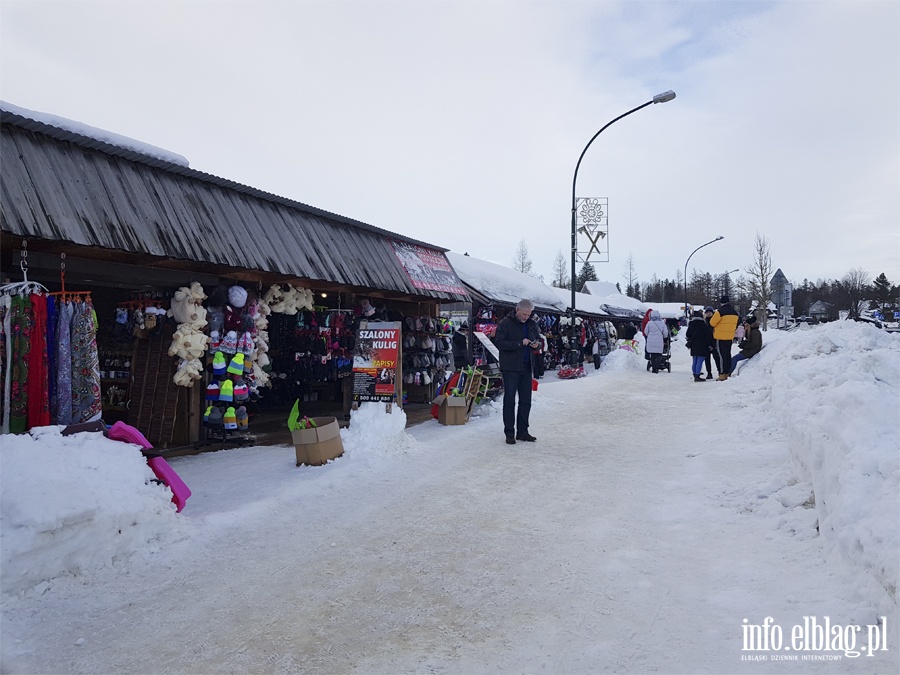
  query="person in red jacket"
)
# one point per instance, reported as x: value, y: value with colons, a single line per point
x: 724, y: 322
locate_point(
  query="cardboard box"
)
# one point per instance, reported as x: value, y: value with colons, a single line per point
x: 451, y: 409
x: 316, y: 446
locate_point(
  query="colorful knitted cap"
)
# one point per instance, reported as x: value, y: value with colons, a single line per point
x: 243, y: 419
x: 215, y: 417
x: 236, y: 367
x: 212, y: 391
x: 226, y: 391
x: 230, y: 418
x: 241, y: 390
x: 219, y: 364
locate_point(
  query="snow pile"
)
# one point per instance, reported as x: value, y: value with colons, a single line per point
x: 620, y: 359
x: 835, y: 390
x: 374, y: 434
x: 72, y: 503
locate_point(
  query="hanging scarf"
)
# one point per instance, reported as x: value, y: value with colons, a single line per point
x: 86, y: 404
x: 20, y: 328
x: 64, y: 365
x: 5, y: 370
x: 38, y: 395
x: 51, y: 356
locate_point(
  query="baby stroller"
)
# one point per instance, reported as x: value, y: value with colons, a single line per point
x: 663, y: 360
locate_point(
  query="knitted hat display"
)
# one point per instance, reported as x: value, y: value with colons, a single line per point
x: 248, y: 366
x: 229, y: 342
x: 237, y: 296
x: 219, y: 364
x: 215, y: 417
x: 241, y: 390
x: 212, y: 391
x: 245, y: 344
x: 206, y: 414
x: 236, y: 367
x: 230, y: 418
x: 226, y: 391
x: 243, y: 419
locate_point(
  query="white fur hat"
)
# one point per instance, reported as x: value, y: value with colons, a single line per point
x: 237, y: 296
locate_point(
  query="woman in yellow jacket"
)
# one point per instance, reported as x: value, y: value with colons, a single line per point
x: 724, y: 322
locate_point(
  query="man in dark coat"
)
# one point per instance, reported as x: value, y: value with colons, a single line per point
x: 517, y: 334
x: 460, y: 344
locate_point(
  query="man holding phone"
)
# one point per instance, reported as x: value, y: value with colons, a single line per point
x: 517, y: 334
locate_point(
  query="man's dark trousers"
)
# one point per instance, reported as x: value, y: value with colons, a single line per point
x: 516, y: 382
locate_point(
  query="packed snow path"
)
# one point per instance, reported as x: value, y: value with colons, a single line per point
x: 635, y: 536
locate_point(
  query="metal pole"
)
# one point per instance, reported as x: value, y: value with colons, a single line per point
x: 685, y: 270
x: 659, y: 98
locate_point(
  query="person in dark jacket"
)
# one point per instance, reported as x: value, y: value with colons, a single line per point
x: 460, y: 345
x: 714, y: 353
x: 724, y: 322
x: 699, y: 340
x: 751, y: 343
x: 517, y: 335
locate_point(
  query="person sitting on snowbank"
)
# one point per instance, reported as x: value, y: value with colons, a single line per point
x: 750, y: 345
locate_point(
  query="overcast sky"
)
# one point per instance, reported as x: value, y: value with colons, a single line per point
x: 460, y: 123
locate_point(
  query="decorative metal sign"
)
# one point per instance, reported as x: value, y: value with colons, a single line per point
x: 591, y: 220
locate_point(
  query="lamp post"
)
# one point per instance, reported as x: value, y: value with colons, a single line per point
x: 664, y: 97
x: 685, y: 269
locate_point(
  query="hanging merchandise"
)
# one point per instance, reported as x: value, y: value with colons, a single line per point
x: 288, y: 299
x: 189, y: 341
x: 50, y: 365
x: 233, y: 318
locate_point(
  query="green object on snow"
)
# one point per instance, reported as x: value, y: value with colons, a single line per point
x: 294, y: 416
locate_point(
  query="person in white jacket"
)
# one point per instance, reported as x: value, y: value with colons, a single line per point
x: 656, y: 332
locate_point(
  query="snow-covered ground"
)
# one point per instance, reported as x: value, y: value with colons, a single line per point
x: 656, y: 525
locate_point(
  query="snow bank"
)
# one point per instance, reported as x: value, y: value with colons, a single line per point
x: 72, y: 503
x: 835, y: 388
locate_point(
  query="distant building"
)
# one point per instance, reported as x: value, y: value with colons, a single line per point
x: 819, y: 310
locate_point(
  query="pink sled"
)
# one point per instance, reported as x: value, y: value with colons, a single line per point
x: 165, y: 473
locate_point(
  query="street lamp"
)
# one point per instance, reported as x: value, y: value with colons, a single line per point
x: 720, y: 280
x: 664, y: 97
x: 685, y: 269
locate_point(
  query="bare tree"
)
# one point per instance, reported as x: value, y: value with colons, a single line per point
x: 855, y: 285
x: 521, y: 261
x: 561, y: 272
x: 630, y: 274
x: 759, y: 273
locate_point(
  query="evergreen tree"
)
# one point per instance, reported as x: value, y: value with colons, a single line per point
x: 586, y: 274
x: 882, y: 292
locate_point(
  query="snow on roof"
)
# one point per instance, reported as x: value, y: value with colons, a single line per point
x: 667, y: 310
x: 601, y: 288
x: 583, y: 301
x: 608, y: 294
x: 503, y: 284
x: 97, y: 134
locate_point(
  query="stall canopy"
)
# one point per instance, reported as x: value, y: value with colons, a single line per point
x: 70, y: 187
x: 491, y: 283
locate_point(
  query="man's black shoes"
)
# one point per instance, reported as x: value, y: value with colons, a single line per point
x: 524, y: 437
x: 510, y: 440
